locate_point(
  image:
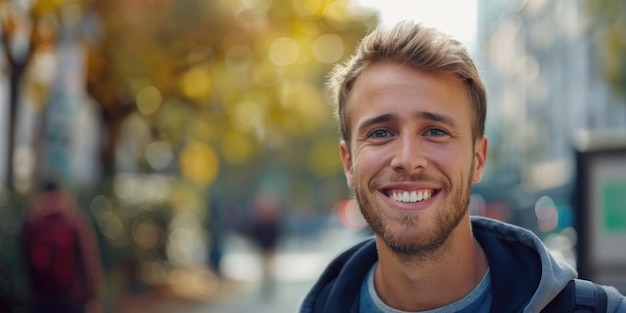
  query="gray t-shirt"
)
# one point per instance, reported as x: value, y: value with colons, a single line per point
x: 477, y: 301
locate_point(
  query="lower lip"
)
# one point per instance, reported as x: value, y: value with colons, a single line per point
x: 408, y: 206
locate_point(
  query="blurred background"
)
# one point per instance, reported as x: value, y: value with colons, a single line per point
x: 178, y: 125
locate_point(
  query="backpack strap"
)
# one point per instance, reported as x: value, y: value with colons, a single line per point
x: 590, y: 297
x: 581, y: 296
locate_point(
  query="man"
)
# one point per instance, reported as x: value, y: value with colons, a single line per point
x: 411, y: 108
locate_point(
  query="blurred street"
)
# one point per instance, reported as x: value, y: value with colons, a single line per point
x: 231, y: 297
x: 241, y: 289
x: 181, y: 148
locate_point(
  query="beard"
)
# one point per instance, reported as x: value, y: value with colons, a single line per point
x: 408, y: 235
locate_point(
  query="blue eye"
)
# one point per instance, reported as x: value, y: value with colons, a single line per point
x: 380, y: 133
x: 436, y: 132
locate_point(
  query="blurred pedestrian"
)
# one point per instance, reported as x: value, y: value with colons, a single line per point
x: 217, y: 228
x: 412, y: 107
x: 62, y: 255
x: 265, y: 232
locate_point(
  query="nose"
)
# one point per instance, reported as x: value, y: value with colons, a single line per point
x: 409, y: 154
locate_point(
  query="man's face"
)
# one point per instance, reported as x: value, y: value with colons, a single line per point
x: 412, y: 158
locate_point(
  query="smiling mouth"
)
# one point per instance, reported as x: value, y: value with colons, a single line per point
x: 410, y: 196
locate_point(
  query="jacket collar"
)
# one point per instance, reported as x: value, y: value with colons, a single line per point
x: 515, y: 257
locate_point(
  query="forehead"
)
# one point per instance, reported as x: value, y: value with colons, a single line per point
x: 385, y: 88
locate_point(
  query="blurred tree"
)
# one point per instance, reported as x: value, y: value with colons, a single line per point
x: 232, y: 89
x: 608, y: 19
x: 27, y: 28
x: 244, y: 77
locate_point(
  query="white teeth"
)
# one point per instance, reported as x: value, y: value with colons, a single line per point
x: 406, y: 197
x: 414, y: 196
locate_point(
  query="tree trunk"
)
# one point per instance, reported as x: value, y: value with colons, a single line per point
x: 17, y: 71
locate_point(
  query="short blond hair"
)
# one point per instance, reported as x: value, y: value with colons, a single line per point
x: 420, y: 47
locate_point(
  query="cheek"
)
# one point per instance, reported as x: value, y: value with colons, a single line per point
x: 452, y: 162
x: 367, y: 164
x: 444, y: 156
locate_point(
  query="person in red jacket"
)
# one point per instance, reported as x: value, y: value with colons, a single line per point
x: 62, y: 255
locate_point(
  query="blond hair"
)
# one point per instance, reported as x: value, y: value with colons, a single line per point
x: 420, y: 47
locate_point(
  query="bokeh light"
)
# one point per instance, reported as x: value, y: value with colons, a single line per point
x: 100, y: 205
x: 159, y: 154
x: 145, y: 189
x: 185, y: 243
x: 350, y: 215
x: 284, y: 51
x: 114, y: 229
x: 148, y: 100
x: 328, y: 48
x: 196, y: 83
x: 147, y: 235
x: 199, y: 163
x: 547, y: 214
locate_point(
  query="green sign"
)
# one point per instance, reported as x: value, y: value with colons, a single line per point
x: 614, y: 206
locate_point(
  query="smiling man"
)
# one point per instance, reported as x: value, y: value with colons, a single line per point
x: 411, y: 108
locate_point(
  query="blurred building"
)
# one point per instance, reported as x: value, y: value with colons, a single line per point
x: 541, y: 64
x: 540, y: 60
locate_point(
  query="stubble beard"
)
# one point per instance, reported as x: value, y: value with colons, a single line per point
x: 407, y: 237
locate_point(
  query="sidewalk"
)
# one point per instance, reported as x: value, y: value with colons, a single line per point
x: 167, y: 300
x: 296, y: 269
x: 231, y: 297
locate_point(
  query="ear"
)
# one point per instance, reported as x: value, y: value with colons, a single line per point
x: 481, y: 147
x: 346, y: 159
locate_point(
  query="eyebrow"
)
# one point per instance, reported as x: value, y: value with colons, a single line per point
x: 441, y: 118
x: 375, y: 120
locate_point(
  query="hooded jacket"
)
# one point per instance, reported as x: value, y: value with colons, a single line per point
x: 525, y: 277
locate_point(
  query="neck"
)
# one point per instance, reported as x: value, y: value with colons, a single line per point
x: 447, y: 275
